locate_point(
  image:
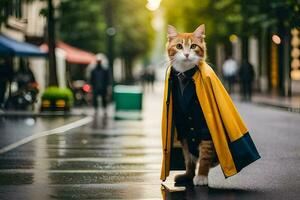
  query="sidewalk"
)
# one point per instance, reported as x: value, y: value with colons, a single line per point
x: 291, y: 104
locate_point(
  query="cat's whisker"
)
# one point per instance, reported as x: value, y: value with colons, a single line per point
x: 168, y: 61
x: 165, y: 61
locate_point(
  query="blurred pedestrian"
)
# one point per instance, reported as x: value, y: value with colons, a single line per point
x: 100, y: 82
x: 3, y: 83
x: 143, y: 78
x: 6, y: 73
x: 148, y: 78
x: 152, y: 79
x: 246, y: 74
x: 230, y: 69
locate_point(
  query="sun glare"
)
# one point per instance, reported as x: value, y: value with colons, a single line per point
x: 153, y: 4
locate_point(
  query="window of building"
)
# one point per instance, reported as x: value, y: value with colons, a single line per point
x: 14, y: 8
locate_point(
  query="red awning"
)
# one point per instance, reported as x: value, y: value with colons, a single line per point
x: 74, y: 55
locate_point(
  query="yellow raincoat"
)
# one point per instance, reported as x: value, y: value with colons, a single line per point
x: 233, y: 144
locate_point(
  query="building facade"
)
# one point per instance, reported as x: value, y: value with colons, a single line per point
x: 25, y: 23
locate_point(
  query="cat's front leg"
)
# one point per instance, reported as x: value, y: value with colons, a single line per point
x: 207, y: 155
x: 200, y: 180
x: 190, y: 165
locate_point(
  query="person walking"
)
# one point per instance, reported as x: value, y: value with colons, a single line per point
x: 230, y: 68
x: 3, y: 83
x: 100, y: 82
x: 246, y: 74
x: 152, y: 79
x: 6, y: 74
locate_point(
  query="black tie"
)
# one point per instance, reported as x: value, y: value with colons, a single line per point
x: 183, y: 81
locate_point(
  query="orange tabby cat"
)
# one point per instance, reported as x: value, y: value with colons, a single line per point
x: 185, y: 51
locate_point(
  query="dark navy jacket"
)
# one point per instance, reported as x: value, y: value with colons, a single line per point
x: 188, y: 116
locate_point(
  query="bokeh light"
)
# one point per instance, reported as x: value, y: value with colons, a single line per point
x: 276, y: 39
x: 153, y: 4
x: 233, y: 38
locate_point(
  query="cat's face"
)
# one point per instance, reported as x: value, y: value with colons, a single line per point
x: 186, y: 50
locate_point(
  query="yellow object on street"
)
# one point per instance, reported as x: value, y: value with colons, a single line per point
x: 60, y: 103
x: 46, y: 103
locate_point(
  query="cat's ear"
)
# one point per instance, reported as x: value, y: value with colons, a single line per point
x: 172, y: 32
x: 200, y: 32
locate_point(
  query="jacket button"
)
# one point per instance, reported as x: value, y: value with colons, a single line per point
x: 191, y: 128
x: 190, y: 118
x: 193, y: 139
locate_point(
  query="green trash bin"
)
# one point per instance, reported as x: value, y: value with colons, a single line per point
x: 128, y: 102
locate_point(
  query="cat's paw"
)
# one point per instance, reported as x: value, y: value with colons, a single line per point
x: 200, y: 180
x: 183, y: 178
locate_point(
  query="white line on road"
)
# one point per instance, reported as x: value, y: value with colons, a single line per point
x: 57, y: 130
x: 156, y: 170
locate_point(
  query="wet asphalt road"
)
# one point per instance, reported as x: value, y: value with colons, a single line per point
x: 121, y: 160
x: 13, y: 129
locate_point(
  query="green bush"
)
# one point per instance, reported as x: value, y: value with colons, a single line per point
x: 55, y: 93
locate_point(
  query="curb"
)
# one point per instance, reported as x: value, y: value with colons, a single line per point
x: 40, y: 114
x: 279, y: 107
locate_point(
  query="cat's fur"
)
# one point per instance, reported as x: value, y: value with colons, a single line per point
x: 185, y: 50
x: 186, y: 58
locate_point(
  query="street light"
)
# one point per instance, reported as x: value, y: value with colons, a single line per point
x: 111, y: 31
x: 233, y: 38
x: 153, y: 5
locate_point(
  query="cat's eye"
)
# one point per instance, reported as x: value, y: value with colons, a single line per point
x: 179, y: 46
x: 193, y: 46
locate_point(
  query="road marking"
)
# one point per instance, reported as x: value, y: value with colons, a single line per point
x: 57, y: 130
x: 62, y: 171
x: 140, y: 160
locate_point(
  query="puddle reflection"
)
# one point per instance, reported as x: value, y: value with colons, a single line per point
x: 99, y: 122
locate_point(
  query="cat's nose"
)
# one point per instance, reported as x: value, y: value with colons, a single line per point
x: 186, y: 55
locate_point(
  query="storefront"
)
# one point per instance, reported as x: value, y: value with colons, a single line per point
x: 71, y: 63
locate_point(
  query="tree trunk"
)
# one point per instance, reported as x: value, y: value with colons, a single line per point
x: 51, y: 45
x: 284, y: 56
x: 128, y: 71
x: 284, y: 63
x: 264, y: 59
x: 245, y: 53
x: 245, y: 36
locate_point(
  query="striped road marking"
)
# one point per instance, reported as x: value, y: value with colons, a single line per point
x: 57, y: 130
